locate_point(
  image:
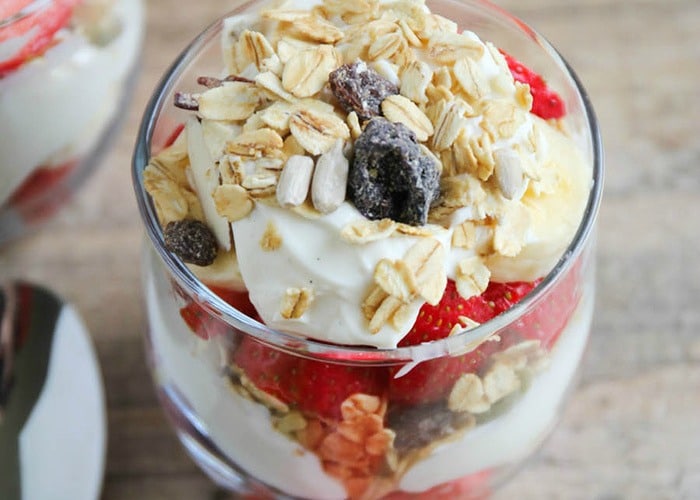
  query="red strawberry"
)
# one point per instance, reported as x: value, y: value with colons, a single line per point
x: 42, y: 193
x: 313, y: 387
x: 431, y: 381
x: 195, y: 318
x: 502, y: 296
x: 271, y: 370
x: 163, y: 139
x: 205, y: 325
x: 238, y: 299
x: 202, y: 324
x: 545, y: 102
x: 43, y: 24
x: 472, y: 487
x: 39, y: 182
x: 550, y: 315
x: 320, y: 388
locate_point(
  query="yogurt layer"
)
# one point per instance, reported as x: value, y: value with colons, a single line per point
x: 55, y: 107
x: 312, y: 254
x: 244, y: 430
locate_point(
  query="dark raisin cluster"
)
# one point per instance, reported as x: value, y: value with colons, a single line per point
x: 419, y: 426
x: 360, y: 89
x: 191, y: 240
x: 390, y: 176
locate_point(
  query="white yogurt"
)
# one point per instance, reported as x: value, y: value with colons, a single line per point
x: 240, y: 428
x: 55, y: 108
x: 312, y: 254
x: 243, y: 429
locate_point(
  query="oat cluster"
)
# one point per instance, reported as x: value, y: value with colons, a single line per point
x: 509, y: 371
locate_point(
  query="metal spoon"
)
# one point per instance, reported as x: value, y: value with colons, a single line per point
x: 28, y: 316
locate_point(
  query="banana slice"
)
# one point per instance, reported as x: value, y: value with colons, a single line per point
x: 206, y: 179
x: 555, y: 212
x: 223, y: 272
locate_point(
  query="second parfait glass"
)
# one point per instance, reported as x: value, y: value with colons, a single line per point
x: 67, y: 69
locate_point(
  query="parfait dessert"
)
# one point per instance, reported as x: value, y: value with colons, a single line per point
x: 64, y: 78
x: 372, y: 276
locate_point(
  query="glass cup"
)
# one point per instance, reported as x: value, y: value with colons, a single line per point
x: 206, y: 345
x: 66, y: 72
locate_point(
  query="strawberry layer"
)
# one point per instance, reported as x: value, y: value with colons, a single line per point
x: 75, y: 79
x: 243, y: 429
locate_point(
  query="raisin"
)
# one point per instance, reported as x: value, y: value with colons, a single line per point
x: 390, y: 176
x: 191, y: 240
x: 418, y: 426
x: 361, y: 89
x: 211, y: 82
x: 186, y: 100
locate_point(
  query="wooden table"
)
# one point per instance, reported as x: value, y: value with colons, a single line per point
x: 631, y: 430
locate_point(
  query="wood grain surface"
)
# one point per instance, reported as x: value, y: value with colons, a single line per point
x: 632, y: 427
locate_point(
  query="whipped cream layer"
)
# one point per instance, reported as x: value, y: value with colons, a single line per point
x: 313, y: 255
x: 55, y: 107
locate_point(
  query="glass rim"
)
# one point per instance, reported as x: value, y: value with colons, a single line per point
x: 365, y: 355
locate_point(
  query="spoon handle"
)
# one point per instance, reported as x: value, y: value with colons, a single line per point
x: 34, y: 319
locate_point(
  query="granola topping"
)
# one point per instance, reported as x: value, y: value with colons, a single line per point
x: 384, y: 126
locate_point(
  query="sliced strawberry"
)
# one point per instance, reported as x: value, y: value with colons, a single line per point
x: 41, y: 24
x: 238, y: 299
x: 197, y: 320
x: 431, y: 381
x: 206, y: 326
x: 201, y: 323
x: 42, y: 193
x: 320, y: 388
x: 472, y: 487
x: 502, y: 296
x: 546, y: 321
x: 545, y: 102
x: 311, y: 386
x: 271, y: 370
x: 41, y: 181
